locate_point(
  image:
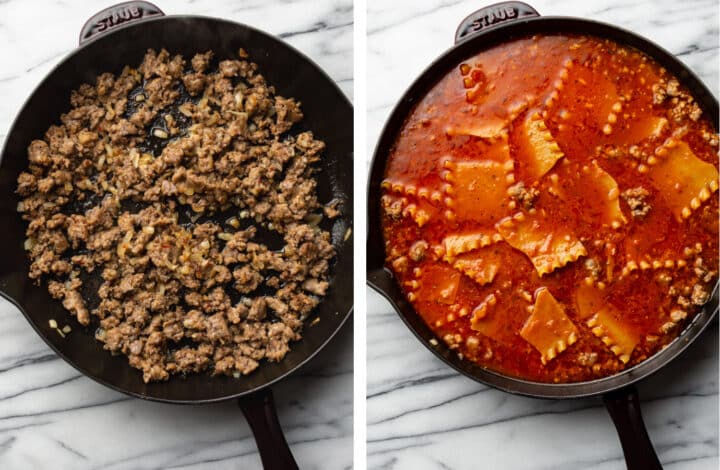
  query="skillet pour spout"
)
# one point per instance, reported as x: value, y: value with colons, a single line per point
x: 482, y: 29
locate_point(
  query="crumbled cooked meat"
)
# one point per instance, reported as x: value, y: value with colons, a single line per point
x: 75, y: 304
x: 245, y: 365
x: 39, y: 152
x: 525, y: 197
x: 417, y: 250
x: 257, y: 309
x: 673, y: 88
x: 276, y: 305
x: 593, y: 267
x: 217, y: 328
x: 315, y: 286
x: 700, y: 294
x: 393, y: 209
x: 200, y: 62
x: 610, y: 151
x: 659, y: 93
x: 331, y: 208
x: 636, y: 199
x: 681, y: 105
x: 77, y: 229
x: 288, y: 113
x: 102, y: 200
x: 194, y: 82
x: 400, y: 264
x: 237, y: 313
x: 587, y: 359
x: 247, y: 279
x: 710, y: 137
x: 279, y: 335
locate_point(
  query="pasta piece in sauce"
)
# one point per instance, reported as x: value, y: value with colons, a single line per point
x: 548, y: 247
x: 548, y: 329
x: 418, y: 205
x: 588, y: 300
x: 457, y: 244
x: 585, y: 101
x: 487, y: 320
x: 607, y: 194
x: 490, y: 130
x: 479, y: 189
x: 617, y: 336
x: 684, y: 181
x: 438, y: 284
x: 479, y: 265
x: 629, y: 131
x: 539, y: 146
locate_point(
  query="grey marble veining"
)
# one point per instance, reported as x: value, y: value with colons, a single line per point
x: 51, y: 417
x: 422, y: 414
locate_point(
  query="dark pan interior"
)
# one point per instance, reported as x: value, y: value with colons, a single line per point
x: 382, y: 280
x: 327, y: 112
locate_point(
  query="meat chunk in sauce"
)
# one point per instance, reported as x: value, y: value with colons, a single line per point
x: 636, y: 199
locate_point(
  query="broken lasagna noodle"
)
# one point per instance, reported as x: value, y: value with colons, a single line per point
x: 550, y: 208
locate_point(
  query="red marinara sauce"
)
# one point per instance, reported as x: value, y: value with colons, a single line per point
x: 550, y: 208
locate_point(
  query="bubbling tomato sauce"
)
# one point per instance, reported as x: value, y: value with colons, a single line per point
x: 550, y: 208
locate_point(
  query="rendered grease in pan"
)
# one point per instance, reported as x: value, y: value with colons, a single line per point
x: 174, y: 212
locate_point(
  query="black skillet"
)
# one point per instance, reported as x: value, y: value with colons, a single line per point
x: 483, y: 29
x: 119, y: 36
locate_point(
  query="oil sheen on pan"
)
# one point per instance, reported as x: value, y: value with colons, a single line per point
x: 550, y: 208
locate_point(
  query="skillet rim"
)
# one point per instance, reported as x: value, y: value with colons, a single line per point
x: 343, y: 100
x: 380, y: 279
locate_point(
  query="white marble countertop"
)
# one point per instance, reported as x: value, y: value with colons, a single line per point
x: 423, y: 415
x: 51, y: 417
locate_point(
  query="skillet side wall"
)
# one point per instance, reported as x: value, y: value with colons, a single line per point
x: 382, y: 280
x: 327, y: 112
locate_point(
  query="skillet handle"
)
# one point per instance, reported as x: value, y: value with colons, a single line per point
x: 117, y: 15
x: 624, y: 408
x: 491, y: 16
x: 261, y: 414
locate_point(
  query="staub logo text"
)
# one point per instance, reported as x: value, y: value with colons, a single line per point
x: 494, y: 15
x: 119, y: 16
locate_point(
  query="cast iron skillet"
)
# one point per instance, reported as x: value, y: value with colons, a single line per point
x: 120, y: 36
x: 483, y: 29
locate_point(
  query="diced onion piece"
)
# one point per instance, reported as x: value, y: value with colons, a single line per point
x: 160, y: 133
